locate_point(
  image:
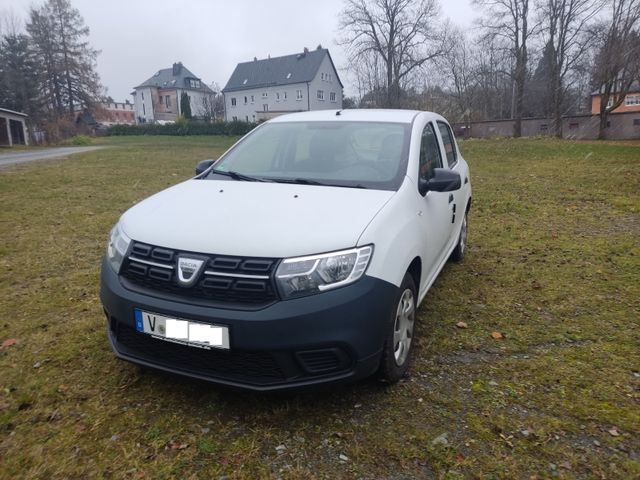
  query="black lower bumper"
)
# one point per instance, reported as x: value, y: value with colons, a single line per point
x: 335, y: 336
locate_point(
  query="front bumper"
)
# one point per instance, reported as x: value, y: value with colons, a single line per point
x: 335, y: 336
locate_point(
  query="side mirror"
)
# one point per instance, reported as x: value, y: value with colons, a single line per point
x: 443, y: 180
x: 203, y: 165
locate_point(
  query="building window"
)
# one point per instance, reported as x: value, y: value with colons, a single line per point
x: 144, y: 111
x: 194, y: 83
x: 167, y: 101
x: 632, y: 100
x: 247, y: 118
x: 332, y: 96
x: 610, y: 102
x: 574, y: 125
x: 288, y: 76
x: 142, y: 93
x: 284, y: 95
x: 277, y: 96
x: 245, y: 99
x: 244, y: 82
x: 233, y: 101
x: 234, y: 118
x: 320, y: 95
x: 298, y: 94
x: 265, y: 94
x: 322, y: 76
x: 544, y: 127
x: 265, y: 107
x: 252, y: 99
x: 636, y: 122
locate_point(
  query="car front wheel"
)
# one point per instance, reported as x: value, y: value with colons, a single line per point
x: 398, y: 345
x: 458, y: 253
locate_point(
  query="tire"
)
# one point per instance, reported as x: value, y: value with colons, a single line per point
x: 458, y: 253
x: 397, y: 348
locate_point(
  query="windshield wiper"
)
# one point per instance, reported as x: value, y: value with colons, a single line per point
x: 238, y: 176
x: 306, y: 181
x: 298, y: 181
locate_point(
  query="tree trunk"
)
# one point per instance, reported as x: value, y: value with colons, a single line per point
x: 520, y: 75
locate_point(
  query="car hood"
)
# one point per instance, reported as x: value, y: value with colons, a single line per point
x: 254, y: 218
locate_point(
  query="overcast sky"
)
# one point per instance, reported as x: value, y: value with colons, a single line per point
x: 138, y: 37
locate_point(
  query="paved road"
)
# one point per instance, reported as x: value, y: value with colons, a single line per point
x: 24, y: 157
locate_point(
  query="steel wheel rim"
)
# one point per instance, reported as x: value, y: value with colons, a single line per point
x: 403, y: 327
x: 463, y: 234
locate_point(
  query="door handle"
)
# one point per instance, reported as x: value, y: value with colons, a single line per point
x: 450, y: 197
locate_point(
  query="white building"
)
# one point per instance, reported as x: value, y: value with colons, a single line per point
x: 158, y: 98
x: 262, y: 89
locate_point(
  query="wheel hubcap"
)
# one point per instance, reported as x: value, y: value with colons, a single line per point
x: 463, y: 234
x: 403, y: 328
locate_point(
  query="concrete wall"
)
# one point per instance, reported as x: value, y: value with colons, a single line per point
x: 622, y: 126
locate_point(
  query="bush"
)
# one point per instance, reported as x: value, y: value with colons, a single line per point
x: 182, y: 128
x: 81, y: 140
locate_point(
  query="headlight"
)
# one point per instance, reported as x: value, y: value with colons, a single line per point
x: 117, y: 248
x: 317, y: 273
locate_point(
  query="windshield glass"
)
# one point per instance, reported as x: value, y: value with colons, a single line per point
x: 346, y: 154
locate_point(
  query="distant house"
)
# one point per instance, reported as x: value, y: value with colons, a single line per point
x: 12, y: 128
x: 262, y: 89
x: 115, y: 113
x: 106, y: 114
x: 631, y: 102
x: 158, y: 98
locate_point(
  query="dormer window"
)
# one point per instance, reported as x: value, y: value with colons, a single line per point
x: 244, y: 82
x: 194, y: 83
x: 288, y: 76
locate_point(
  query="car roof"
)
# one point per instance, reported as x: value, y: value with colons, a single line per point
x: 355, y: 115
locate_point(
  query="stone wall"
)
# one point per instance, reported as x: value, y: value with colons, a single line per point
x: 622, y: 126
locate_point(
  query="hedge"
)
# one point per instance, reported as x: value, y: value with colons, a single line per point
x: 185, y: 128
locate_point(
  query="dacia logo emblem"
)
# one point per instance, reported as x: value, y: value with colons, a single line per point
x: 189, y: 270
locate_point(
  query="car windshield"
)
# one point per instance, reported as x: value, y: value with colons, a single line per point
x: 341, y: 153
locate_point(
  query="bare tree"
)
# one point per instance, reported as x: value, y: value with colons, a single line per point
x: 617, y: 62
x: 403, y: 34
x: 509, y: 19
x: 565, y: 27
x: 213, y: 105
x: 460, y: 66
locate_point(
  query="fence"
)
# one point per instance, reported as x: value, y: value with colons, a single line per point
x: 621, y: 126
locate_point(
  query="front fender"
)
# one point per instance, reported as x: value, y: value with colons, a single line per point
x: 395, y: 235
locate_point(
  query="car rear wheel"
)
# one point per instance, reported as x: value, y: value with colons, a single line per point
x: 458, y: 253
x: 396, y: 353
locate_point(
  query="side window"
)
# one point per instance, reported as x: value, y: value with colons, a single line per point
x: 449, y: 144
x: 430, y: 158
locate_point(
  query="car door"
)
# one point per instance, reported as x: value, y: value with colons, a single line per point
x: 457, y: 202
x: 435, y: 216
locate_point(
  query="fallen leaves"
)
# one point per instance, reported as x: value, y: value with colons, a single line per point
x: 175, y: 446
x: 9, y: 342
x: 614, y: 432
x: 462, y: 325
x: 497, y: 335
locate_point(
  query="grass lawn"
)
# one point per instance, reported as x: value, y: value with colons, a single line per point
x: 553, y: 265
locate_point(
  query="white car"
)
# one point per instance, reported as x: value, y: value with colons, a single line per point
x: 299, y: 257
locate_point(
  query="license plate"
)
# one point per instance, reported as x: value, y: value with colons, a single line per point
x: 186, y: 332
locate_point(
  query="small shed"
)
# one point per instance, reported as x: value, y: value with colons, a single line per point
x: 13, y: 130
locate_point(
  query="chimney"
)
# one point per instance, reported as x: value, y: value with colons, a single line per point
x: 319, y: 47
x: 255, y: 59
x: 177, y: 67
x: 306, y: 50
